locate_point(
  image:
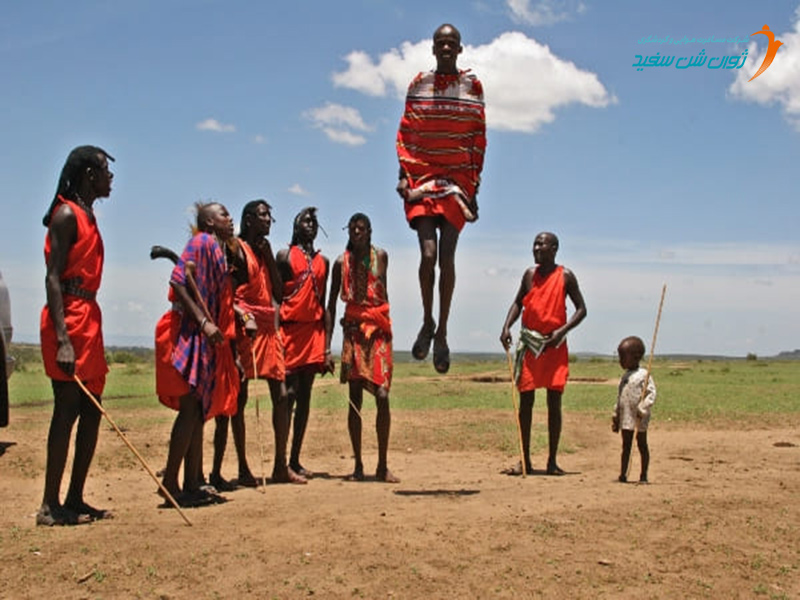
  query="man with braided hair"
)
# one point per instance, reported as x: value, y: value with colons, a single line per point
x: 360, y: 273
x: 256, y: 303
x: 71, y: 330
x: 304, y: 272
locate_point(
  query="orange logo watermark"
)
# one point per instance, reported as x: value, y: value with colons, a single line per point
x: 772, y: 50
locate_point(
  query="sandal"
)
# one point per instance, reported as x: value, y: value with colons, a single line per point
x: 247, y: 480
x: 95, y: 514
x: 422, y: 345
x: 441, y: 357
x: 60, y: 516
x: 220, y: 484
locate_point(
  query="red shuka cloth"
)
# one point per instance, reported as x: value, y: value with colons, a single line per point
x: 544, y: 309
x: 82, y: 317
x: 255, y: 297
x: 302, y: 313
x: 442, y: 136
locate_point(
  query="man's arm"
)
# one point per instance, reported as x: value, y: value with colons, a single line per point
x: 330, y: 366
x: 574, y: 294
x: 516, y: 308
x: 383, y: 268
x: 274, y: 274
x: 330, y: 314
x: 283, y: 265
x: 63, y: 234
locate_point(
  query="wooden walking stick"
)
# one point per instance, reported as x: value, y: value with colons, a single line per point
x: 147, y: 468
x: 258, y: 421
x: 649, y: 366
x: 516, y: 414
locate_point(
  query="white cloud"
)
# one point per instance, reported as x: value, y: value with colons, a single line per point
x: 214, y: 125
x: 298, y: 190
x: 543, y: 12
x: 338, y: 123
x: 524, y: 82
x: 779, y: 84
x: 259, y: 139
x: 343, y: 136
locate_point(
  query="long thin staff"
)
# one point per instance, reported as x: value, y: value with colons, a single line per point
x: 147, y: 468
x: 258, y: 420
x: 190, y: 267
x: 649, y: 366
x: 516, y: 415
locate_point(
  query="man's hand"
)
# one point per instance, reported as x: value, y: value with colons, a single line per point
x: 329, y: 365
x: 212, y: 332
x: 250, y: 327
x: 505, y: 338
x: 554, y: 338
x: 402, y: 188
x: 65, y: 358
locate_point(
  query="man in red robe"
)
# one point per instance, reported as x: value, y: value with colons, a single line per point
x: 542, y: 355
x: 440, y: 145
x: 256, y: 303
x: 195, y: 369
x: 304, y: 271
x: 71, y: 331
x: 360, y: 273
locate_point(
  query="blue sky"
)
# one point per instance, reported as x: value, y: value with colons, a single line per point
x: 684, y: 177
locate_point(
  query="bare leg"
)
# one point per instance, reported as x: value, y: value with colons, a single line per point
x: 354, y: 427
x: 85, y: 445
x: 426, y: 234
x: 644, y: 452
x: 193, y: 464
x: 281, y: 473
x: 220, y: 443
x: 447, y: 277
x: 553, y: 430
x: 525, y: 421
x: 305, y: 383
x: 383, y: 423
x: 240, y: 438
x: 189, y: 414
x: 627, y: 442
x: 66, y: 408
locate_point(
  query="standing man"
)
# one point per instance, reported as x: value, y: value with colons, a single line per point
x: 304, y: 272
x: 542, y: 355
x: 196, y: 372
x: 257, y: 304
x: 440, y: 145
x: 71, y: 330
x: 360, y: 273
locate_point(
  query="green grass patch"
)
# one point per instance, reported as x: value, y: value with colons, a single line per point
x: 689, y: 390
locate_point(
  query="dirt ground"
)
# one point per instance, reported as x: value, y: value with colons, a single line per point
x: 720, y: 518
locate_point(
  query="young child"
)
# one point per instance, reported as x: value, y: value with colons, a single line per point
x: 632, y: 411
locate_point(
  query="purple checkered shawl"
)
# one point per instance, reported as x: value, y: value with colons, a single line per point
x: 193, y: 356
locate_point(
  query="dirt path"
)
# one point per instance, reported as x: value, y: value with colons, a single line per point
x: 719, y: 520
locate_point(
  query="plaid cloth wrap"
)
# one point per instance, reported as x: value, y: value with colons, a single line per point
x: 193, y: 357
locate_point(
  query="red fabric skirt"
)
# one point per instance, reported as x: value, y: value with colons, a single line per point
x: 170, y: 385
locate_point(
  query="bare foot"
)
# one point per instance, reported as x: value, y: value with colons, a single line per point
x: 356, y: 475
x: 287, y: 475
x: 516, y: 470
x: 386, y: 476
